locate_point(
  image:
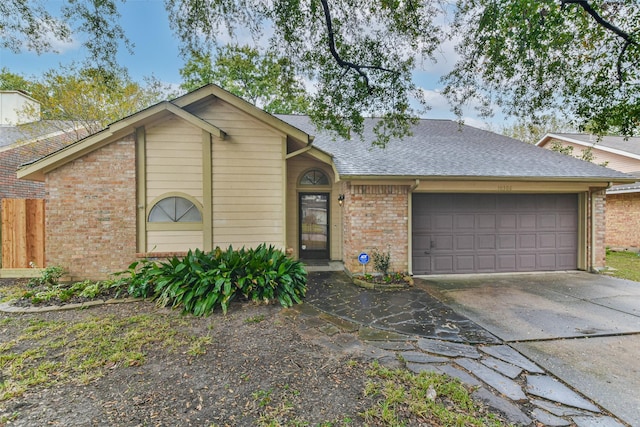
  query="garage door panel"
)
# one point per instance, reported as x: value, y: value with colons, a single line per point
x: 443, y: 263
x: 507, y: 262
x: 487, y: 241
x: 566, y: 241
x: 465, y: 264
x: 465, y: 233
x: 527, y: 221
x: 465, y: 222
x: 547, y: 241
x: 507, y: 221
x: 465, y: 242
x: 486, y: 221
x: 526, y: 262
x: 442, y: 222
x: 548, y: 221
x: 486, y: 263
x: 527, y: 241
x: 547, y: 261
x: 507, y: 242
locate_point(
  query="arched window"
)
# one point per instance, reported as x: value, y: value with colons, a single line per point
x: 175, y: 209
x: 314, y: 177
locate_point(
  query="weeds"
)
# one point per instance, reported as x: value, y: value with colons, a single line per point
x: 81, y: 352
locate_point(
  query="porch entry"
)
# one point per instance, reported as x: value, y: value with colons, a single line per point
x: 314, y: 225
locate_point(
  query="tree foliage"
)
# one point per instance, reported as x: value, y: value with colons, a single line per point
x: 264, y: 80
x: 532, y: 58
x: 88, y: 98
x: 528, y: 58
x: 532, y: 132
x: 359, y: 55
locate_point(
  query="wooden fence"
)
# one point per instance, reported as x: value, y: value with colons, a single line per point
x: 22, y: 233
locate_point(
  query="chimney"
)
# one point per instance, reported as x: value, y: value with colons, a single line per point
x: 17, y: 108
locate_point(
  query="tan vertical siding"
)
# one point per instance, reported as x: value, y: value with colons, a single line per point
x: 174, y: 159
x: 247, y: 179
x: 174, y: 241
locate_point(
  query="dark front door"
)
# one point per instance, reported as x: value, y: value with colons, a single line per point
x: 314, y: 225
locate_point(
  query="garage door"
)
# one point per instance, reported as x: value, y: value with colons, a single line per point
x: 482, y: 233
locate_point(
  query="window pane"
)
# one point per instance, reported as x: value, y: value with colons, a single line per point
x: 175, y: 209
x: 314, y: 177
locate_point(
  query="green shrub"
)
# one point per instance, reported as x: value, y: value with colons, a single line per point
x: 202, y: 281
x: 382, y: 262
x: 49, y: 277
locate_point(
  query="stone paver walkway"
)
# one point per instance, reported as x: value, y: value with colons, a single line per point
x: 412, y: 326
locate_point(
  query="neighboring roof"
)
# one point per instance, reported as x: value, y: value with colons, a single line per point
x: 625, y: 188
x: 35, y: 131
x: 629, y: 147
x: 445, y: 148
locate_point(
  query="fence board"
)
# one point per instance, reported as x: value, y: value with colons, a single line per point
x: 22, y: 233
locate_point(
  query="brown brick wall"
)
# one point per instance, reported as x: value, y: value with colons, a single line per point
x: 623, y: 221
x: 376, y: 219
x: 600, y: 249
x: 91, y: 212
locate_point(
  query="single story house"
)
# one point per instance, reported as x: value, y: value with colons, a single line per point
x: 623, y: 201
x: 208, y: 169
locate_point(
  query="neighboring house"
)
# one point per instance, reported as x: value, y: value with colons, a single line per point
x: 209, y: 169
x: 25, y: 138
x: 623, y: 201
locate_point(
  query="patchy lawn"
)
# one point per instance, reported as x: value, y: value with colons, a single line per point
x: 132, y: 364
x: 626, y: 265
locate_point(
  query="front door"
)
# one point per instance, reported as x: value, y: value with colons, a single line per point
x: 314, y: 225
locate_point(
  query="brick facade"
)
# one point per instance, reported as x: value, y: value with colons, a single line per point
x: 91, y: 212
x: 623, y: 221
x: 599, y: 207
x: 376, y: 218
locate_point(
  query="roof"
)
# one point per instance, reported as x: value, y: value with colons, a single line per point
x: 629, y: 147
x: 437, y: 148
x: 178, y: 107
x: 34, y: 131
x: 446, y: 148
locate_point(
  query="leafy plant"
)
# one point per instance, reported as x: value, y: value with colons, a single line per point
x: 202, y: 281
x: 137, y: 279
x: 50, y: 277
x: 382, y: 262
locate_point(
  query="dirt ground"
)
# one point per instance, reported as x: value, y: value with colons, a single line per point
x: 265, y: 365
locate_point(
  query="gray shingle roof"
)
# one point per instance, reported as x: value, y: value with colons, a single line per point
x: 444, y: 148
x: 630, y: 145
x: 32, y: 131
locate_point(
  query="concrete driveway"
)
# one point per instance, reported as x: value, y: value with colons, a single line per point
x: 583, y: 328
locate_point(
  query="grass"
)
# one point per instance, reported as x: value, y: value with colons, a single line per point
x: 81, y: 352
x: 626, y: 265
x: 432, y: 399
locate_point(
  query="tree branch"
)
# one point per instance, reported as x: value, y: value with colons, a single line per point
x: 584, y: 4
x: 628, y: 39
x: 347, y: 65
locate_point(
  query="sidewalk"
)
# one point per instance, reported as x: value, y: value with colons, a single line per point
x: 428, y: 336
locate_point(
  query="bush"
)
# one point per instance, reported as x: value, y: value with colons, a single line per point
x: 382, y: 262
x: 201, y: 281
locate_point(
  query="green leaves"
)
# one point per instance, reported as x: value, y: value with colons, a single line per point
x: 202, y: 281
x: 538, y: 58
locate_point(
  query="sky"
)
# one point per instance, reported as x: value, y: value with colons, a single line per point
x: 156, y: 52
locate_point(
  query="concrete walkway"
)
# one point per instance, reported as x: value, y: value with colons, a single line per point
x: 430, y: 336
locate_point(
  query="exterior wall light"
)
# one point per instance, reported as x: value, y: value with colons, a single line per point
x: 341, y: 199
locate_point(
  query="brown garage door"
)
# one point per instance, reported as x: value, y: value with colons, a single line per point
x: 482, y: 233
